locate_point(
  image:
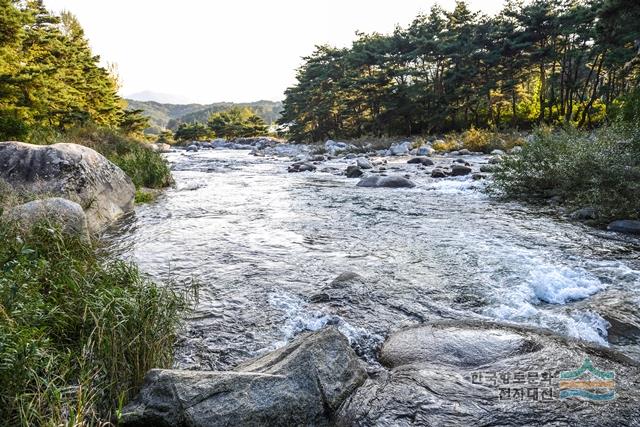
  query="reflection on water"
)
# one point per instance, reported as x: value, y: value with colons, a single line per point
x: 262, y: 242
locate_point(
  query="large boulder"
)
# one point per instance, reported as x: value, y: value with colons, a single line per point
x: 68, y: 215
x: 628, y: 226
x: 481, y: 374
x: 303, y: 383
x: 70, y: 171
x: 392, y: 181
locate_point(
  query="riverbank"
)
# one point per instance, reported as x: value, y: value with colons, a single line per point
x: 79, y: 328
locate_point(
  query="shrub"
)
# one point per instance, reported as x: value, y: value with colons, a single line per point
x: 599, y: 169
x: 77, y: 331
x: 449, y: 143
x: 145, y: 167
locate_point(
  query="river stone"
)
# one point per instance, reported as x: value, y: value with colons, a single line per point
x: 193, y: 147
x: 353, y: 171
x: 436, y: 389
x: 303, y: 383
x: 363, y: 163
x: 55, y: 211
x: 438, y: 173
x: 625, y: 226
x: 392, y: 181
x: 488, y: 168
x: 425, y: 161
x: 70, y: 171
x: 450, y: 346
x: 301, y: 167
x: 464, y: 152
x: 459, y: 170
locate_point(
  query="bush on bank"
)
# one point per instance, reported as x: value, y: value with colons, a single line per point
x: 78, y: 330
x: 599, y: 169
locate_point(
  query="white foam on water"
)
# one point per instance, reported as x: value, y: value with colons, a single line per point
x: 452, y: 186
x: 299, y: 319
x: 559, y: 285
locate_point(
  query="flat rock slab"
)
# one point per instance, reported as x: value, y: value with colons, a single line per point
x: 434, y: 380
x: 451, y: 346
x: 303, y: 383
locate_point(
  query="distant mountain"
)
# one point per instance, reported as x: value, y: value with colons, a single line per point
x: 170, y: 116
x: 164, y: 98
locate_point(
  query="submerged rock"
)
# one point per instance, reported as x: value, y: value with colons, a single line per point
x: 425, y: 161
x: 72, y: 172
x: 303, y: 383
x: 54, y: 211
x: 392, y: 181
x: 353, y: 172
x: 193, y: 147
x: 474, y: 373
x: 628, y: 226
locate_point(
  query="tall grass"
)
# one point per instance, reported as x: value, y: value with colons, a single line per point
x: 600, y: 169
x: 77, y: 331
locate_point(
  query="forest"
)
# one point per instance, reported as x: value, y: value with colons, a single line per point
x: 555, y: 62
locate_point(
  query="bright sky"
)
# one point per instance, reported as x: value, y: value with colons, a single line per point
x: 229, y: 50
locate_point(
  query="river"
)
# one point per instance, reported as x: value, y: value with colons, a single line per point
x: 262, y: 243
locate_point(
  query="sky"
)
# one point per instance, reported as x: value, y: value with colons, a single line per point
x: 229, y: 50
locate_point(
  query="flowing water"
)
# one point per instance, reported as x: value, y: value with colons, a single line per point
x: 263, y: 244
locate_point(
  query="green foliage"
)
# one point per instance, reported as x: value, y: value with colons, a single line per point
x: 134, y: 122
x: 145, y: 196
x: 145, y: 167
x: 77, y: 332
x: 538, y: 62
x: 191, y: 132
x: 599, y: 169
x: 48, y: 75
x: 236, y: 123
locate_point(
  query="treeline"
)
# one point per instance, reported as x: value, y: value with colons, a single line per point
x: 545, y: 61
x: 49, y: 78
x: 235, y: 122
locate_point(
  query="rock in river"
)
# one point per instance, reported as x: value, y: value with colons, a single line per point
x: 70, y: 171
x: 425, y: 161
x: 363, y: 163
x: 438, y: 173
x: 458, y: 170
x: 392, y: 181
x: 301, y: 167
x: 488, y: 374
x: 625, y: 226
x: 353, y: 172
x: 303, y: 383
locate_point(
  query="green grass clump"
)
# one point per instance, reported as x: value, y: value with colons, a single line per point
x: 78, y: 331
x: 145, y: 167
x: 145, y: 196
x: 600, y: 169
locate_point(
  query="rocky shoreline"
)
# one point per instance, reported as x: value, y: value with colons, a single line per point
x: 441, y: 373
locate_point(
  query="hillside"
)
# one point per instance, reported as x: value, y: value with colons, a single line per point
x: 169, y: 116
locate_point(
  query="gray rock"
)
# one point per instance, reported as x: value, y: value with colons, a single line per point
x: 464, y: 152
x: 459, y: 170
x: 54, y: 211
x: 353, y: 172
x: 301, y: 167
x: 363, y: 163
x: 335, y: 147
x: 441, y: 374
x: 193, y: 147
x: 585, y: 213
x: 72, y: 172
x: 392, y: 181
x: 628, y: 226
x: 497, y: 152
x: 400, y: 149
x: 162, y: 147
x: 425, y: 161
x: 438, y: 173
x: 425, y: 150
x: 303, y: 383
